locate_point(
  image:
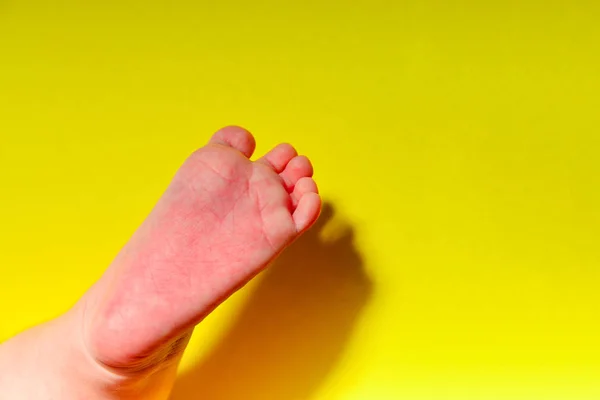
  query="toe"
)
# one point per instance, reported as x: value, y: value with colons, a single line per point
x: 303, y: 186
x: 236, y: 137
x: 279, y: 157
x: 307, y: 211
x: 298, y: 167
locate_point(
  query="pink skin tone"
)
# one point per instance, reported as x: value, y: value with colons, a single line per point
x: 222, y: 220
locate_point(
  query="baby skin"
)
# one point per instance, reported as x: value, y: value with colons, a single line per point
x: 221, y: 221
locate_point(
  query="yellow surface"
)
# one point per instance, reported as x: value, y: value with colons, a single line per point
x: 458, y: 142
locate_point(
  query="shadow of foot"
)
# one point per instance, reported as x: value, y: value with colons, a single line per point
x: 293, y: 328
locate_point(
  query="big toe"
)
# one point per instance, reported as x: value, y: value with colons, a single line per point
x: 236, y: 137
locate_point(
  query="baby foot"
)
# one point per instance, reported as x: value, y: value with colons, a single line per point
x: 220, y: 222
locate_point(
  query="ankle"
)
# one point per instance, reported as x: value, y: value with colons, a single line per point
x: 53, y: 356
x: 146, y: 377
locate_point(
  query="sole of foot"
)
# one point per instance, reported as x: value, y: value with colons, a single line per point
x: 221, y: 221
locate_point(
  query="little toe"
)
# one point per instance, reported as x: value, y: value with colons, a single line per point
x: 279, y: 157
x: 236, y: 137
x: 303, y: 186
x: 307, y: 212
x: 298, y: 167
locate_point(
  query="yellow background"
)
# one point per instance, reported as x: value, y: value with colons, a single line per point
x: 456, y: 143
